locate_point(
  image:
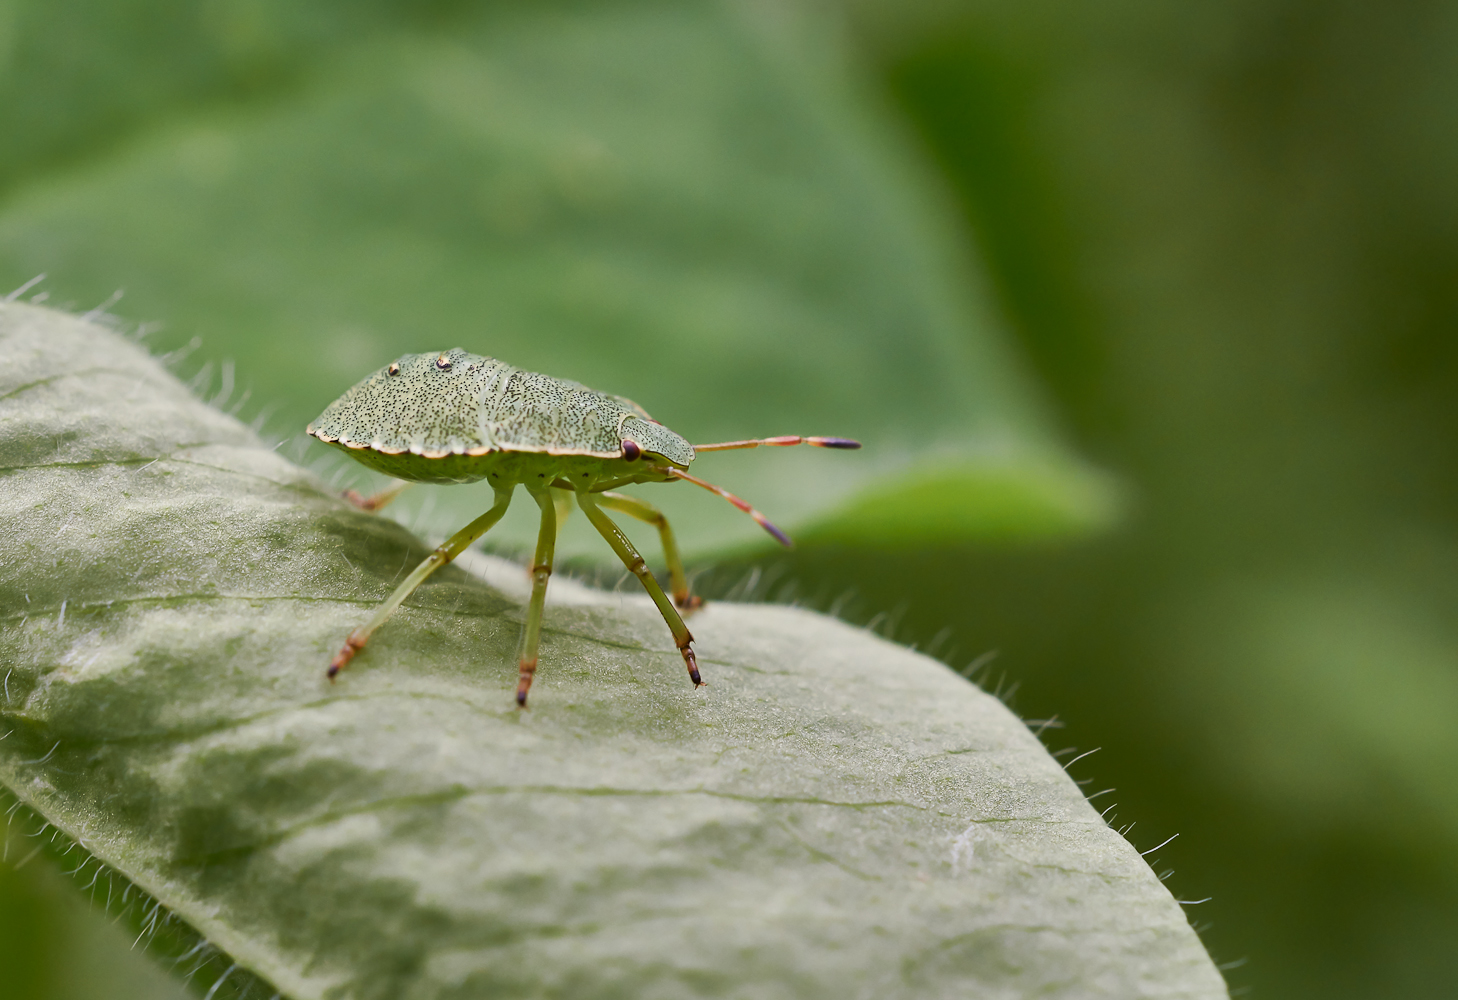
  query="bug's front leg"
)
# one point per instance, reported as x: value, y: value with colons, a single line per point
x: 541, y: 573
x: 682, y: 637
x: 453, y: 547
x: 650, y: 514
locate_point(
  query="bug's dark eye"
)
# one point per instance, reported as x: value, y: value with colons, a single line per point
x: 631, y: 450
x: 442, y: 362
x: 394, y: 368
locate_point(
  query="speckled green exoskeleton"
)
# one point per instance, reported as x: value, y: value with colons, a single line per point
x: 456, y: 417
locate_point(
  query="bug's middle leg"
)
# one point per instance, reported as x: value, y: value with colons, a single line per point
x: 541, y: 573
x: 682, y: 637
x: 650, y: 514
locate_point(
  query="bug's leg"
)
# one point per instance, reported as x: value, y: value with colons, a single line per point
x: 562, y: 500
x: 682, y: 638
x: 376, y: 501
x: 453, y: 547
x: 645, y: 511
x: 541, y: 573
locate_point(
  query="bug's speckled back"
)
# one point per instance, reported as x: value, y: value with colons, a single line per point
x: 457, y: 403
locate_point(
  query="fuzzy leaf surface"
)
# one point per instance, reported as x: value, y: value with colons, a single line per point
x: 833, y: 816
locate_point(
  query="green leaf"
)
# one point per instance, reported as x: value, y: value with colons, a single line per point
x: 833, y: 816
x: 693, y: 205
x: 56, y: 945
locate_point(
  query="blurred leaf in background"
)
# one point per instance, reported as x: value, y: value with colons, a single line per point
x: 693, y: 205
x: 54, y: 946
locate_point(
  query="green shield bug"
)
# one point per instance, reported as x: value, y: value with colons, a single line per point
x: 455, y: 417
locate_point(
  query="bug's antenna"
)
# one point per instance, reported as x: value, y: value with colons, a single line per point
x: 759, y: 518
x: 779, y: 442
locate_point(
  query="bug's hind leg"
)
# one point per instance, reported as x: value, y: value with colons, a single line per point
x: 453, y: 547
x: 645, y: 511
x: 631, y: 559
x: 541, y: 573
x: 376, y: 501
x: 562, y: 500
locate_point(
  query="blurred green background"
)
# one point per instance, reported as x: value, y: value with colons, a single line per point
x: 1212, y: 248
